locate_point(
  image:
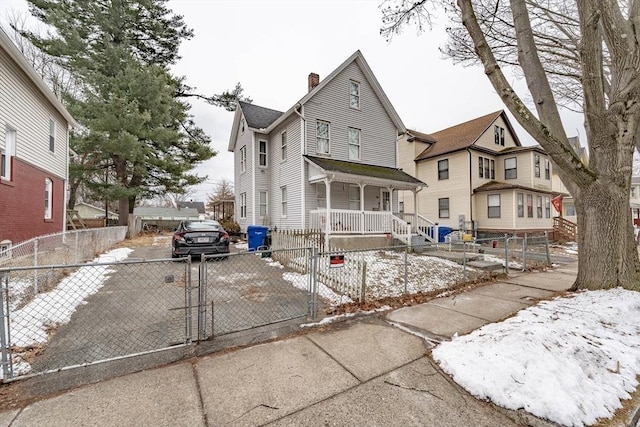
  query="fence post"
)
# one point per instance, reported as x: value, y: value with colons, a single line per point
x: 464, y: 260
x: 524, y: 253
x: 76, y: 248
x: 35, y: 264
x: 363, y: 288
x: 5, y: 355
x: 546, y: 245
x: 506, y: 253
x: 189, y: 313
x: 202, y: 300
x: 406, y: 250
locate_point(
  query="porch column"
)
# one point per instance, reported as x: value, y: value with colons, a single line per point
x: 415, y: 209
x: 362, y: 207
x: 327, y: 220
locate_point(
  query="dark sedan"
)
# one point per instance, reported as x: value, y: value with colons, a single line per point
x: 199, y: 238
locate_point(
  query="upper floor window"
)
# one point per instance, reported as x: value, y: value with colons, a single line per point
x: 354, y: 94
x: 283, y: 146
x: 262, y: 153
x: 283, y: 200
x: 443, y: 208
x: 539, y: 206
x: 243, y: 205
x: 52, y: 135
x: 486, y: 168
x: 243, y: 158
x: 498, y: 135
x: 5, y: 249
x: 354, y: 144
x: 520, y: 205
x: 48, y: 187
x: 6, y: 158
x: 322, y: 137
x: 493, y: 205
x: 510, y: 168
x: 529, y: 206
x: 263, y: 203
x: 536, y: 165
x: 443, y: 169
x: 547, y: 207
x: 547, y: 169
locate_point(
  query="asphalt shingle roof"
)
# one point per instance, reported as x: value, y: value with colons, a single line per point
x: 361, y: 169
x: 458, y: 137
x: 498, y: 186
x: 258, y: 117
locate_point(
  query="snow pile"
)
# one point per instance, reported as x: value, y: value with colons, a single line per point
x: 571, y: 360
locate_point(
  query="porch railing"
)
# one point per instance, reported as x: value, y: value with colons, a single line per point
x: 343, y: 221
x: 419, y: 225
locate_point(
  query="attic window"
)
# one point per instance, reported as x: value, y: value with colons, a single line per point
x: 242, y: 125
x: 498, y: 135
x: 354, y: 94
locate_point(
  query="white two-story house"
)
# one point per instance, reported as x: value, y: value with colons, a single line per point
x: 328, y: 163
x: 34, y: 151
x: 480, y: 177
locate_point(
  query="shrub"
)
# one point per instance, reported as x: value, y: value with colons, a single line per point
x: 230, y: 226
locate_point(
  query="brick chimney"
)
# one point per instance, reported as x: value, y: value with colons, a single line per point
x: 314, y: 80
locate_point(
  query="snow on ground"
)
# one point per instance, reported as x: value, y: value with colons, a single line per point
x: 512, y: 264
x: 570, y: 360
x: 30, y: 323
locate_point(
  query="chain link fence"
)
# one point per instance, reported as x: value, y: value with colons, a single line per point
x: 69, y: 247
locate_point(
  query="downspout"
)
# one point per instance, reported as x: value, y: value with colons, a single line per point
x: 303, y: 140
x: 470, y: 189
x: 253, y: 177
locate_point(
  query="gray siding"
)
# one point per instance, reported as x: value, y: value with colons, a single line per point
x: 243, y: 180
x: 331, y: 104
x: 286, y: 173
x: 24, y: 108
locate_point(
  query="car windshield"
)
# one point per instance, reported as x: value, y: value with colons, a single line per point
x: 205, y: 226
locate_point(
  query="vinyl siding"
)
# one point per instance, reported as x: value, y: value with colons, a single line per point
x: 509, y: 212
x: 25, y: 109
x: 378, y: 133
x: 487, y: 140
x: 456, y: 188
x: 243, y: 180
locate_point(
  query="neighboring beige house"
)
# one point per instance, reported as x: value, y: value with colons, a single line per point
x: 480, y: 178
x: 87, y: 211
x: 568, y: 204
x: 634, y: 199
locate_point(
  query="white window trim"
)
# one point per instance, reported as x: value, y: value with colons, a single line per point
x: 448, y: 208
x: 283, y: 146
x: 48, y: 192
x: 243, y: 205
x: 11, y: 136
x: 489, y: 205
x: 359, y: 144
x: 243, y: 159
x: 354, y: 96
x: 52, y: 135
x: 262, y: 154
x: 265, y: 204
x: 283, y: 201
x: 328, y: 152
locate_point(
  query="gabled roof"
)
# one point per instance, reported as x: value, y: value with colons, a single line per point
x: 360, y: 169
x: 498, y: 186
x: 20, y: 60
x: 267, y: 115
x: 414, y: 135
x: 258, y: 117
x: 463, y: 135
x: 199, y: 206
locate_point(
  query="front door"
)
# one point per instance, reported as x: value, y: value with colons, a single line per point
x: 385, y: 200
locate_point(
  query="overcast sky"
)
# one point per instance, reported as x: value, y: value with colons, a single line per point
x: 270, y: 47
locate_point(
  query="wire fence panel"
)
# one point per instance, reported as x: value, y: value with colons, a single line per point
x: 70, y: 247
x: 62, y: 316
x: 250, y: 289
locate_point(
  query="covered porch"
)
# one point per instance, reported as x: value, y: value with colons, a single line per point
x: 358, y: 199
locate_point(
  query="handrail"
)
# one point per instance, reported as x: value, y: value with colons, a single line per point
x: 565, y: 228
x: 424, y: 224
x: 401, y: 230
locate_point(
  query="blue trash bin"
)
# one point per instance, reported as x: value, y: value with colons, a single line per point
x: 442, y: 232
x: 256, y: 235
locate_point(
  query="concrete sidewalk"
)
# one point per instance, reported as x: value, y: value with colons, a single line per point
x: 371, y: 371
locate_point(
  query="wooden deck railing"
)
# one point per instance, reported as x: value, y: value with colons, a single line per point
x: 564, y: 229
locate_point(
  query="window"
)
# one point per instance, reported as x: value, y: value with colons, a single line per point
x: 536, y: 165
x: 570, y: 210
x: 539, y: 206
x: 354, y: 94
x: 283, y: 146
x: 262, y: 153
x: 242, y: 125
x: 52, y: 135
x: 520, y: 205
x: 510, y: 168
x: 243, y: 158
x: 547, y: 169
x: 8, y: 154
x: 443, y: 208
x: 262, y: 204
x: 354, y: 197
x: 243, y: 205
x: 283, y: 198
x: 633, y: 192
x: 48, y: 187
x: 443, y: 169
x: 487, y: 168
x: 322, y: 137
x: 354, y: 144
x: 547, y: 207
x: 529, y: 206
x: 5, y: 249
x: 321, y: 195
x: 493, y: 204
x: 498, y: 135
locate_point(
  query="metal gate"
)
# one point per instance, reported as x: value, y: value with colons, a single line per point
x: 244, y: 290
